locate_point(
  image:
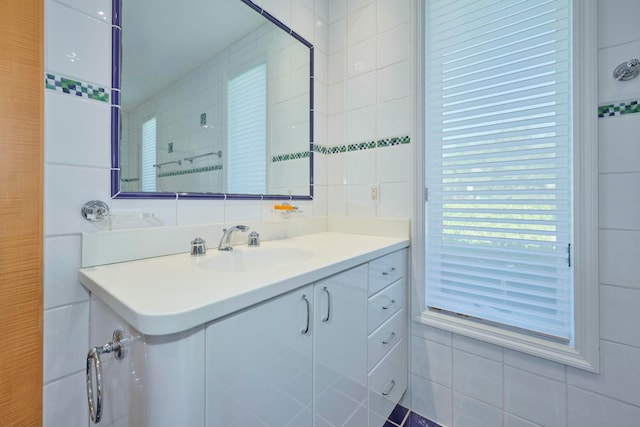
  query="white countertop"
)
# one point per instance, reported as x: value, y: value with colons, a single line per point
x: 170, y: 294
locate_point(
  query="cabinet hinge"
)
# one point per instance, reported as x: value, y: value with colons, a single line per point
x: 569, y: 255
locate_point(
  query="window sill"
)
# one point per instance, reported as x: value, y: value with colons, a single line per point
x: 557, y: 352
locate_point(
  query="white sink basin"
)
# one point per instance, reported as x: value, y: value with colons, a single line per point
x: 253, y: 259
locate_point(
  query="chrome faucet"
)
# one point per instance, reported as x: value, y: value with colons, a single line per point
x: 225, y: 241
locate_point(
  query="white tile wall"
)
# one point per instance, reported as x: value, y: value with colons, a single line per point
x: 525, y: 391
x: 77, y: 169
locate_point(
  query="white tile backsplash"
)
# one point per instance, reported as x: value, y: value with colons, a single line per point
x: 619, y: 252
x: 61, y: 263
x: 84, y: 140
x: 394, y: 45
x: 361, y: 125
x: 394, y: 200
x: 610, y: 89
x: 590, y: 409
x: 361, y: 167
x: 617, y: 24
x: 64, y: 402
x: 534, y: 365
x: 359, y: 201
x: 436, y: 366
x: 514, y: 421
x: 619, y: 204
x: 619, y: 376
x: 64, y: 197
x: 619, y: 314
x: 477, y: 347
x: 431, y: 399
x: 394, y: 81
x: 78, y: 45
x: 477, y: 377
x: 534, y: 398
x: 392, y: 118
x: 361, y: 59
x: 468, y: 412
x: 65, y: 340
x: 99, y: 9
x: 361, y: 91
x: 359, y: 24
x: 619, y: 151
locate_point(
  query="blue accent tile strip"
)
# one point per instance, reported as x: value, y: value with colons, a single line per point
x: 75, y: 88
x: 618, y: 109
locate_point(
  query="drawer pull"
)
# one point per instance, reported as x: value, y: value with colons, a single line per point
x: 388, y: 306
x: 305, y: 330
x: 387, y: 390
x: 389, y: 271
x: 328, y: 316
x: 389, y: 339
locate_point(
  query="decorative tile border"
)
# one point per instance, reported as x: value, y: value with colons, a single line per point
x: 190, y: 171
x: 368, y: 145
x: 612, y: 110
x: 76, y: 88
x: 291, y: 156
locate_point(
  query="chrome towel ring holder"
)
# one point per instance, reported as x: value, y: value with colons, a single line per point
x: 118, y: 347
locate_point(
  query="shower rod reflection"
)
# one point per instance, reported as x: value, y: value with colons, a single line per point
x: 159, y: 165
x: 213, y: 153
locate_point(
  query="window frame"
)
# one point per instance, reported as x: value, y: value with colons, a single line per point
x: 583, y: 353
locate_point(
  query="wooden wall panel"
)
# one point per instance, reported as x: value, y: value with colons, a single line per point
x: 21, y: 211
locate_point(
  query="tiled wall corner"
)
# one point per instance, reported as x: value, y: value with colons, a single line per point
x: 369, y: 102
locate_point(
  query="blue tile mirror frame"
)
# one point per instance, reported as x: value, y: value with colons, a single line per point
x: 191, y: 149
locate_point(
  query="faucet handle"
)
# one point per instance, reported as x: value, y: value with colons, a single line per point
x: 254, y: 239
x: 197, y: 247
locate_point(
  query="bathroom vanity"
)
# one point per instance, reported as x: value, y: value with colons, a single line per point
x: 305, y: 331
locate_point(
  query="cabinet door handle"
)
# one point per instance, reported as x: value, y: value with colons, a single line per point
x: 389, y: 338
x: 328, y: 316
x: 387, y: 390
x: 305, y: 330
x: 389, y: 271
x: 388, y: 306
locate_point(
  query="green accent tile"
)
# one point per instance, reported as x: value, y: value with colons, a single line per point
x: 613, y: 110
x: 76, y: 88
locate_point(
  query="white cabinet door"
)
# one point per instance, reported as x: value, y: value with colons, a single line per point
x: 340, y: 349
x: 259, y: 366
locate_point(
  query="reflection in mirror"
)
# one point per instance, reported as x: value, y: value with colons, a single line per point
x: 215, y: 99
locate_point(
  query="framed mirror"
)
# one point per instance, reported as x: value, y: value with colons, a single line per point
x: 212, y: 99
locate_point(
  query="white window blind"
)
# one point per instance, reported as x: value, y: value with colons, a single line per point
x: 149, y: 155
x: 247, y: 132
x: 499, y: 162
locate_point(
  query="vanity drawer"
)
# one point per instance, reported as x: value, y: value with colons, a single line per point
x: 387, y: 382
x: 385, y: 337
x: 384, y: 304
x: 385, y: 270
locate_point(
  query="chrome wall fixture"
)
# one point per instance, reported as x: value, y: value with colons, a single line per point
x: 627, y: 70
x: 118, y: 348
